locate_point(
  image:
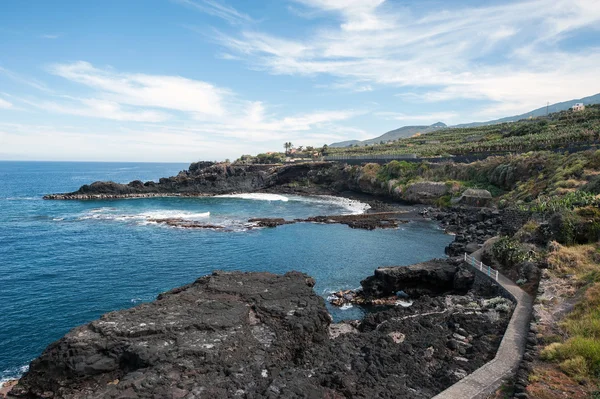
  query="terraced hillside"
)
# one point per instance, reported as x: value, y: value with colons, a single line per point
x: 564, y: 129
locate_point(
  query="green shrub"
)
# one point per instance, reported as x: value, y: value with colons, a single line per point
x: 509, y: 252
x: 401, y: 170
x: 587, y: 348
x: 576, y: 367
x: 551, y: 352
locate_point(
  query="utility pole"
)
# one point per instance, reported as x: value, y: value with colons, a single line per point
x: 547, y: 104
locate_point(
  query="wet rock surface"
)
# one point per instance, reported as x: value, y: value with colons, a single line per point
x: 368, y: 221
x: 260, y: 335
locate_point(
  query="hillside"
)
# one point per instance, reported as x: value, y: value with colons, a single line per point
x: 563, y: 129
x: 408, y: 131
x: 562, y: 106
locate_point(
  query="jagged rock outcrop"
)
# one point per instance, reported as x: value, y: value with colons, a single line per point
x: 434, y: 277
x: 207, y: 178
x: 224, y: 335
x: 260, y: 335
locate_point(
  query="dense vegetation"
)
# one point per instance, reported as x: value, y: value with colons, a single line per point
x: 558, y: 130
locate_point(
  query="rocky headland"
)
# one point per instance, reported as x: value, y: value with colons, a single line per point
x: 207, y: 178
x: 252, y: 335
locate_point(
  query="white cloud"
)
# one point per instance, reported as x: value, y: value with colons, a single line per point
x: 5, y: 104
x: 210, y: 110
x: 182, y: 115
x: 359, y: 15
x: 50, y: 36
x: 509, y: 53
x: 217, y: 9
x: 169, y: 92
x: 95, y: 108
x: 24, y: 80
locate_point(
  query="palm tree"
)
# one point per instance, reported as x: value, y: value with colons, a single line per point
x: 288, y: 146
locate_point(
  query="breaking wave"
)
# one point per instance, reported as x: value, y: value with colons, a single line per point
x: 143, y: 217
x: 256, y: 197
x: 12, y: 374
x: 352, y: 207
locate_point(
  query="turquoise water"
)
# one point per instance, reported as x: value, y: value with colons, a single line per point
x: 64, y: 263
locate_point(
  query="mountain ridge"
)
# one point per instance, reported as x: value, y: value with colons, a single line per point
x: 408, y: 131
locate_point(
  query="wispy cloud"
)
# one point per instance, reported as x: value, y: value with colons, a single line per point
x: 94, y: 108
x: 217, y: 9
x: 509, y: 53
x: 24, y: 79
x: 163, y: 105
x: 169, y: 92
x: 5, y: 104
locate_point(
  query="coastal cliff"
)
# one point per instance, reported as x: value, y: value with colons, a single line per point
x: 496, y: 179
x: 256, y: 335
x: 207, y: 178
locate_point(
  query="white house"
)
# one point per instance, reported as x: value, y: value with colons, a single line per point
x: 578, y: 107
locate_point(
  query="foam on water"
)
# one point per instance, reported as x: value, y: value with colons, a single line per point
x: 256, y: 197
x: 353, y: 207
x: 12, y: 374
x: 142, y: 217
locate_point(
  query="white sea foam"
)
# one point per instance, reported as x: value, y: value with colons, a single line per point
x: 351, y: 206
x: 174, y: 214
x: 257, y: 197
x: 12, y: 374
x: 143, y: 217
x: 346, y: 306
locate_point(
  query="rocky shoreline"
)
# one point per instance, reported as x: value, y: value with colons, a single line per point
x: 265, y: 335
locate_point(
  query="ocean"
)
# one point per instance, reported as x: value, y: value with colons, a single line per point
x: 65, y: 263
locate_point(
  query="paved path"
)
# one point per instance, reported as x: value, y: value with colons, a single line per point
x: 489, y: 377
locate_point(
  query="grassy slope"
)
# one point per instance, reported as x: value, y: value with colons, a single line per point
x: 559, y: 130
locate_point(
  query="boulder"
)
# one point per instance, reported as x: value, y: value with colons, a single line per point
x: 474, y: 197
x: 425, y: 192
x: 434, y: 277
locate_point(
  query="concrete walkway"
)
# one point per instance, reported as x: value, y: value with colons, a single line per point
x: 488, y: 378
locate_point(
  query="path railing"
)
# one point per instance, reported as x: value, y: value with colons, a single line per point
x: 493, y: 273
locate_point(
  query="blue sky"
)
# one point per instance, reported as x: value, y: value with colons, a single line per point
x: 183, y: 80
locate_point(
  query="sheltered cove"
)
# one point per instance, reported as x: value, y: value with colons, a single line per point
x: 263, y: 335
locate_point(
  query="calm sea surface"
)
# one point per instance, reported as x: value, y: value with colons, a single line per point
x: 64, y: 263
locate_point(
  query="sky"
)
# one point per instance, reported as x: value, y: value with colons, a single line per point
x: 187, y: 80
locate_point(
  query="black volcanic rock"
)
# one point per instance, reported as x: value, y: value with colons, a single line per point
x: 207, y: 178
x: 434, y: 277
x: 260, y: 335
x: 221, y: 335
